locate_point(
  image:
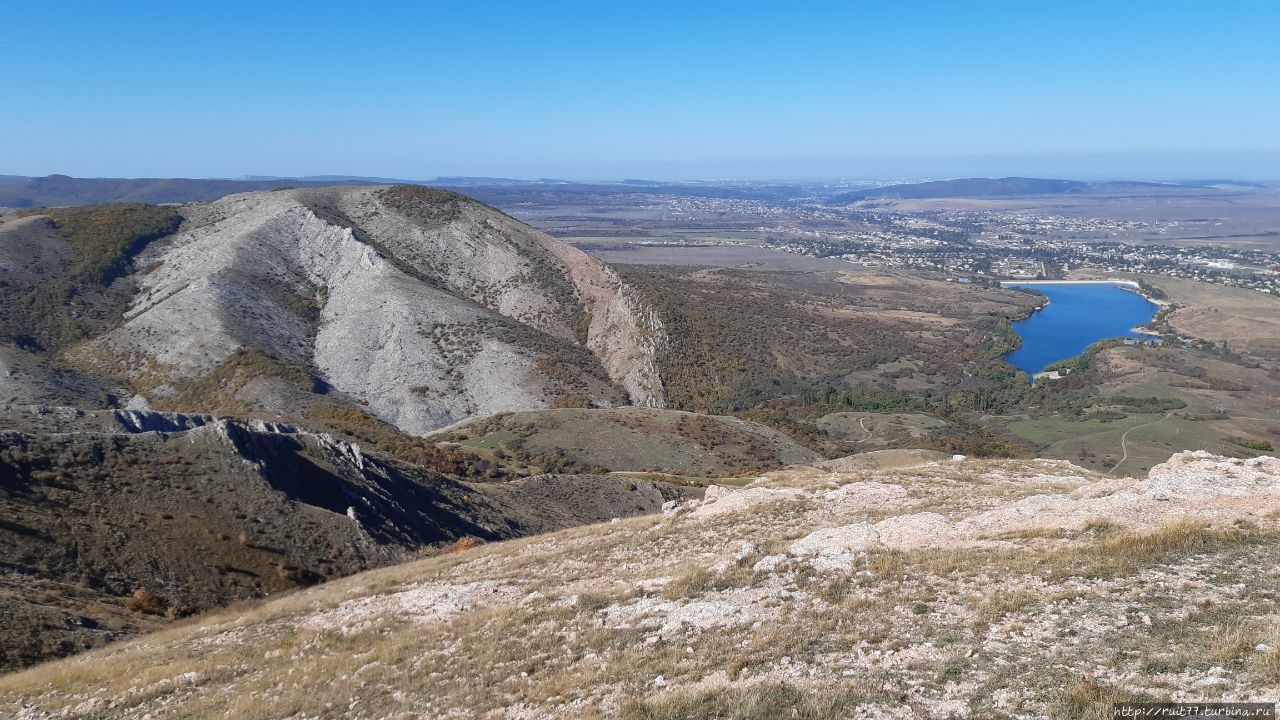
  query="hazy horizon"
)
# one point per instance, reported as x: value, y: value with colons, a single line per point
x: 1251, y: 167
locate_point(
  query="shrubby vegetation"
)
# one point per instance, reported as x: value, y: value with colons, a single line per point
x: 71, y: 301
x: 1146, y: 404
x: 784, y: 350
x: 357, y: 424
x: 1252, y: 444
x: 39, y: 316
x: 424, y: 203
x: 1151, y: 291
x: 1084, y: 360
x: 1002, y: 341
x: 970, y: 438
x: 734, y: 346
x: 106, y: 237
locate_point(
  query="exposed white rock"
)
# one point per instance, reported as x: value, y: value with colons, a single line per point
x: 770, y: 563
x: 643, y: 600
x: 1190, y: 484
x: 720, y: 500
x: 420, y: 320
x: 861, y: 496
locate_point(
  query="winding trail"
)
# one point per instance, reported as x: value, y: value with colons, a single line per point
x: 862, y: 423
x: 1124, y: 445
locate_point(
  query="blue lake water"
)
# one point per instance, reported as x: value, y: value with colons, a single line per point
x: 1078, y: 315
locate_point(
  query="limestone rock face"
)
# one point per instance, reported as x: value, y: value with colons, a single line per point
x: 424, y: 306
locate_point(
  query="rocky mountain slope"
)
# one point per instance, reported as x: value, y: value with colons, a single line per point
x: 418, y: 305
x: 890, y: 586
x: 199, y: 511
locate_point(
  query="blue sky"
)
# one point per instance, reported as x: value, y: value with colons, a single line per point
x: 654, y: 89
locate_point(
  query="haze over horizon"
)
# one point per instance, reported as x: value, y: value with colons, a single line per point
x: 663, y: 91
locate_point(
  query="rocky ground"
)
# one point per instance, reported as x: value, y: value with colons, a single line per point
x: 199, y: 511
x: 914, y: 587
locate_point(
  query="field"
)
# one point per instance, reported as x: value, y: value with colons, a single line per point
x: 712, y: 250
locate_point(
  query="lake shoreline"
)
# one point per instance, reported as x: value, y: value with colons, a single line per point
x: 1054, y: 332
x: 1130, y: 285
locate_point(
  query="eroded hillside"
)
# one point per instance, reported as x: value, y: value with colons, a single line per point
x: 421, y: 306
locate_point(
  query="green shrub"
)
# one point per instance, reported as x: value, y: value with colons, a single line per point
x: 107, y: 236
x: 1252, y: 444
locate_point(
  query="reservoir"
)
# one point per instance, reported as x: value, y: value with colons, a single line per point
x: 1078, y: 315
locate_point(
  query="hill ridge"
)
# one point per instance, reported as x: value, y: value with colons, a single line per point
x: 392, y: 296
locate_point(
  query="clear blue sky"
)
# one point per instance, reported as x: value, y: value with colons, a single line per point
x: 652, y: 89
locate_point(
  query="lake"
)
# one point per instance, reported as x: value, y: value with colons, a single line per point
x: 1078, y: 315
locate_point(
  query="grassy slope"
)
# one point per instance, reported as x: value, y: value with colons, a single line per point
x: 631, y: 439
x: 571, y: 625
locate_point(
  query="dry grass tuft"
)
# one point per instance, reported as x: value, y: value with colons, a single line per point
x: 1090, y: 700
x: 1255, y: 645
x: 462, y: 544
x: 999, y: 604
x: 145, y: 601
x: 692, y: 581
x: 761, y: 702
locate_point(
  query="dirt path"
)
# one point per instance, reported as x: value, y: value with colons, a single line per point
x: 1124, y: 445
x: 862, y: 423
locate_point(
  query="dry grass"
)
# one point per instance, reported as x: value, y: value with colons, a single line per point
x: 926, y: 624
x: 1115, y: 553
x: 1090, y: 700
x: 762, y: 702
x: 1001, y: 603
x: 1251, y: 643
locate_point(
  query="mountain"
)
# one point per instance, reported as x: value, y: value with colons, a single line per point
x: 300, y: 342
x: 893, y: 583
x: 417, y: 306
x: 337, y: 179
x: 1017, y: 186
x: 968, y: 187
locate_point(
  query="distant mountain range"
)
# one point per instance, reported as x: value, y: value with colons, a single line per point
x: 1010, y: 187
x: 61, y: 190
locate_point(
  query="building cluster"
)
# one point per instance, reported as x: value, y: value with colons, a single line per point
x: 1016, y: 246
